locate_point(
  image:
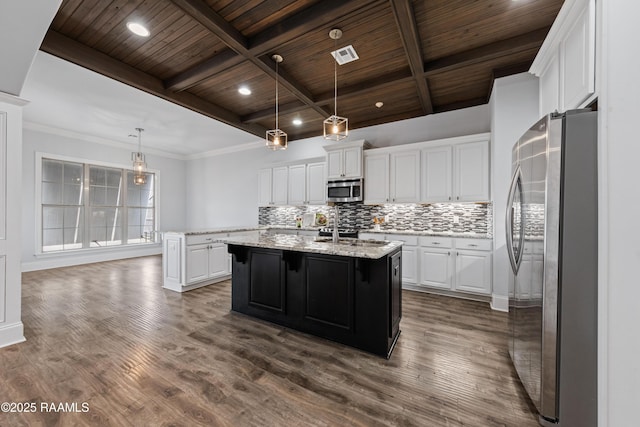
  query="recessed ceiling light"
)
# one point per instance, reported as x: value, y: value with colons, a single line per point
x: 244, y: 90
x: 297, y: 122
x: 138, y: 29
x: 379, y: 104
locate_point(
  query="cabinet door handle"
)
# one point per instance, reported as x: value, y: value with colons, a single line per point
x: 457, y: 197
x: 473, y: 246
x: 435, y: 243
x: 457, y: 253
x: 449, y: 197
x: 449, y: 253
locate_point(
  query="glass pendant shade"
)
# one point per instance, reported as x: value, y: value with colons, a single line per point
x: 276, y: 138
x: 335, y: 128
x: 139, y: 163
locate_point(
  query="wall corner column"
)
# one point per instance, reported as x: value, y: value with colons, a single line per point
x: 11, y: 328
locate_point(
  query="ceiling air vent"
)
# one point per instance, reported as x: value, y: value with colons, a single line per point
x: 345, y: 54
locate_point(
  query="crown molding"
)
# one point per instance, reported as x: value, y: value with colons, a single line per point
x: 12, y: 99
x: 227, y: 150
x: 38, y: 127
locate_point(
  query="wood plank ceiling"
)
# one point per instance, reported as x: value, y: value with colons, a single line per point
x: 417, y: 57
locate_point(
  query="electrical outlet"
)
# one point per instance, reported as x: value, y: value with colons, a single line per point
x: 456, y: 219
x: 386, y: 218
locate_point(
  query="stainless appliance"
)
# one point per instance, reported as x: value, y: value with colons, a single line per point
x: 552, y: 246
x: 344, y: 190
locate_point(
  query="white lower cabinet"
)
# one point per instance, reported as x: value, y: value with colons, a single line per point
x: 206, y: 262
x: 190, y: 261
x: 459, y: 265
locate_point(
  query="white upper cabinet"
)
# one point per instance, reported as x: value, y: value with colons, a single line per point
x: 436, y: 174
x: 279, y: 185
x: 471, y: 172
x: 316, y: 184
x: 565, y: 63
x: 297, y: 185
x: 578, y: 60
x: 405, y: 177
x: 392, y: 177
x: 344, y: 160
x: 264, y: 187
x: 456, y: 173
x: 376, y: 178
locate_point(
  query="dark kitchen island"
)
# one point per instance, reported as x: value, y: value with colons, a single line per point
x: 348, y: 292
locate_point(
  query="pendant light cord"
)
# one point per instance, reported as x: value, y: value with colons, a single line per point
x: 277, y: 95
x: 335, y: 77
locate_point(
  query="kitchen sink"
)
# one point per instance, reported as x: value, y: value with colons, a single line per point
x: 353, y: 242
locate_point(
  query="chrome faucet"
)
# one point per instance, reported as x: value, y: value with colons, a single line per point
x: 336, y: 235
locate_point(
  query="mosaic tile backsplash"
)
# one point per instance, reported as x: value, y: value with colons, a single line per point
x: 436, y: 217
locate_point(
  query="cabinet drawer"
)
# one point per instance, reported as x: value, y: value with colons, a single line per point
x: 408, y: 240
x: 371, y: 236
x: 436, y: 242
x: 198, y: 239
x: 474, y: 244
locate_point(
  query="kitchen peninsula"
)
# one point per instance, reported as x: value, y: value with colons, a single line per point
x: 348, y: 292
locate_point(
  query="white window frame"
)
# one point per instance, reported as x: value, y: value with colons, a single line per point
x: 38, y: 204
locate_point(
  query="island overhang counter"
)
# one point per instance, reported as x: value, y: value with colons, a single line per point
x: 349, y: 292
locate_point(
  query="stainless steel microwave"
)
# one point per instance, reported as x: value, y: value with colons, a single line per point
x: 345, y: 190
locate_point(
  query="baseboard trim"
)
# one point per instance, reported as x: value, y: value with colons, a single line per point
x: 11, y: 334
x: 499, y: 303
x: 68, y: 260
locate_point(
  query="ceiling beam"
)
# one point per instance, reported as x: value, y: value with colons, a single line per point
x: 406, y: 22
x: 286, y: 31
x: 345, y: 92
x: 202, y: 12
x: 84, y: 56
x: 324, y: 13
x: 194, y: 75
x: 531, y: 40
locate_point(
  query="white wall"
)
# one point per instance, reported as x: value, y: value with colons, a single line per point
x: 514, y: 108
x: 619, y: 207
x: 171, y: 201
x: 222, y: 190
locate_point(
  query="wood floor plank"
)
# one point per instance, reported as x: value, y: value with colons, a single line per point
x: 109, y: 335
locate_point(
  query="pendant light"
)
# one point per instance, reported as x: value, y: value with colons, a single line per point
x: 335, y: 127
x: 276, y: 139
x: 139, y: 164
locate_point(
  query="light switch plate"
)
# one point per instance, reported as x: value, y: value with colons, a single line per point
x: 456, y: 219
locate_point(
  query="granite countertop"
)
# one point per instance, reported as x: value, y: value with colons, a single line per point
x: 316, y: 228
x: 428, y: 233
x: 346, y: 247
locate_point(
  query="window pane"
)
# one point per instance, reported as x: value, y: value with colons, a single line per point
x: 51, y: 170
x: 98, y: 237
x: 72, y: 238
x: 113, y: 197
x: 98, y: 196
x: 52, y: 240
x: 74, y: 217
x: 97, y: 176
x: 51, y: 193
x: 52, y: 217
x: 113, y: 177
x: 73, y: 173
x: 72, y: 194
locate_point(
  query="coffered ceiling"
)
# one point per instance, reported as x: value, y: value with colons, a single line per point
x: 417, y: 57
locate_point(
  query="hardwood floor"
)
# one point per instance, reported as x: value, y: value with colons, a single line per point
x: 107, y: 334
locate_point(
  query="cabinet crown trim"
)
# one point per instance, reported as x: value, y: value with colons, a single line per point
x: 477, y: 137
x: 342, y: 145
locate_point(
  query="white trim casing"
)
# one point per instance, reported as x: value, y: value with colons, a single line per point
x: 78, y: 254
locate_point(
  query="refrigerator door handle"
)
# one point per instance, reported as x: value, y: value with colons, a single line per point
x: 513, y: 257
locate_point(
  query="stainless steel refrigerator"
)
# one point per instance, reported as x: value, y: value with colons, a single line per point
x: 551, y: 224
